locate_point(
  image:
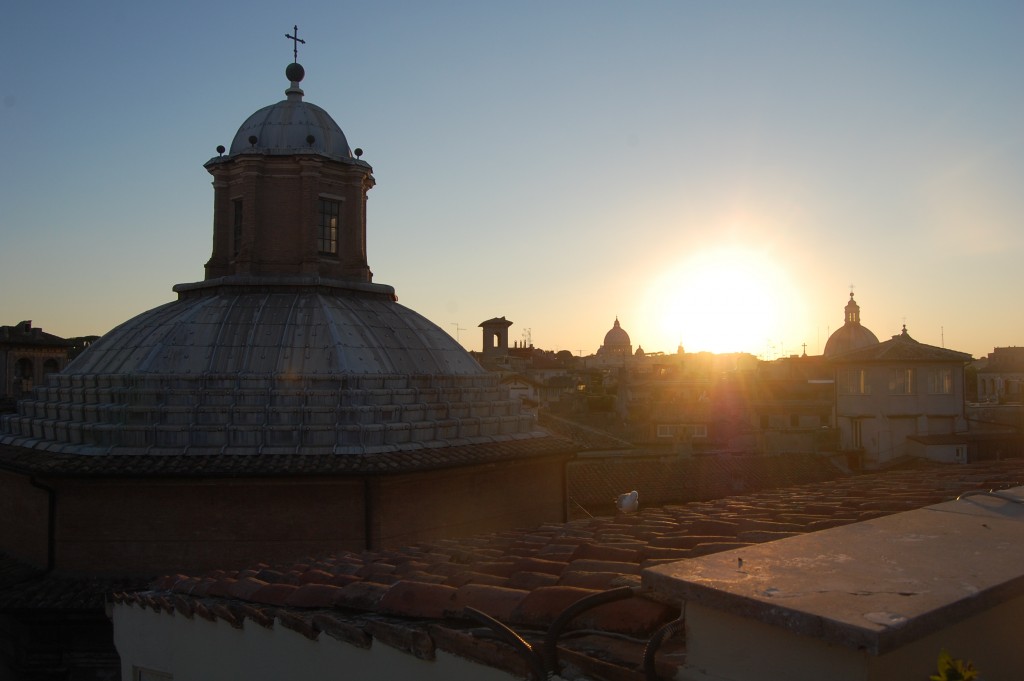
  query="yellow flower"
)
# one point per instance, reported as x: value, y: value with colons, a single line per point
x: 953, y: 670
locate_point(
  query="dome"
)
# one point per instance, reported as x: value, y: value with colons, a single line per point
x: 279, y: 328
x: 291, y: 126
x: 616, y: 337
x: 271, y: 354
x: 852, y: 335
x: 279, y: 368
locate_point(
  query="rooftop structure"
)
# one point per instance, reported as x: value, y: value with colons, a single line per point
x: 598, y: 598
x: 285, y: 404
x: 852, y: 335
x: 287, y: 346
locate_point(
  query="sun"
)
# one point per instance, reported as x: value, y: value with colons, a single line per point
x: 727, y: 299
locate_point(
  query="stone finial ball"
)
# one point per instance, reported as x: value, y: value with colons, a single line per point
x: 295, y: 73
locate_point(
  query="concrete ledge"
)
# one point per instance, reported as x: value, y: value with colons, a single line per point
x: 873, y: 587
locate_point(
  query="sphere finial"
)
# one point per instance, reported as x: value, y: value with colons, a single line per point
x: 295, y: 73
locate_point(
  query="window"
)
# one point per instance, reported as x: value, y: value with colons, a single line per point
x: 855, y: 382
x: 23, y: 369
x: 940, y: 381
x: 236, y: 234
x: 689, y: 430
x: 901, y: 381
x: 328, y: 228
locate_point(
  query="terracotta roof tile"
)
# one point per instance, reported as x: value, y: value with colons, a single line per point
x: 483, y: 645
x: 342, y: 630
x: 417, y: 599
x: 221, y: 587
x: 607, y: 552
x: 528, y: 579
x: 636, y: 616
x: 244, y: 588
x: 361, y: 595
x: 312, y: 595
x: 225, y: 612
x: 298, y: 622
x: 531, y: 580
x: 500, y: 568
x: 410, y: 639
x: 205, y: 612
x: 587, y: 565
x: 257, y: 615
x: 549, y: 567
x: 600, y: 581
x: 496, y: 601
x: 469, y: 577
x: 544, y: 604
x: 184, y: 606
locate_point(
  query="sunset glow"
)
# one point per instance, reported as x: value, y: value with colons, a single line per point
x: 728, y: 299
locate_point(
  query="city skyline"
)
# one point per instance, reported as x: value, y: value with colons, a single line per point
x: 715, y: 176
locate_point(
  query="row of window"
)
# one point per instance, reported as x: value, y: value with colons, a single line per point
x: 327, y: 227
x: 902, y: 381
x: 683, y: 431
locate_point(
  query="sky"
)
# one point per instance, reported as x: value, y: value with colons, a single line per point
x: 713, y: 174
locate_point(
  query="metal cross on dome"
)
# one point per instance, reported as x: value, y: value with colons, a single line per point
x: 295, y: 42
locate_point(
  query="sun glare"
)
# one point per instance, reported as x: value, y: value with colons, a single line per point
x: 728, y: 300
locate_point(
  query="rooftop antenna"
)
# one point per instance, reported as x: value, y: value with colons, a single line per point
x: 457, y: 329
x: 295, y: 42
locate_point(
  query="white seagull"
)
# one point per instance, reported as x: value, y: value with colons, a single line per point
x: 628, y: 503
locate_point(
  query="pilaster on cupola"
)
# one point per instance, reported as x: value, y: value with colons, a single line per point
x: 852, y: 311
x: 290, y: 196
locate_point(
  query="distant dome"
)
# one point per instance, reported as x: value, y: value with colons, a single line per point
x: 616, y: 342
x: 617, y: 337
x: 852, y: 335
x: 288, y: 126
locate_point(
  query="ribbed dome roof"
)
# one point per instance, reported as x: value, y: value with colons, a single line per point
x: 849, y: 337
x: 852, y: 335
x: 290, y: 126
x: 327, y: 328
x: 616, y: 337
x: 280, y: 367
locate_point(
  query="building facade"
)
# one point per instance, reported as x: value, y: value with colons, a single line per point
x: 27, y: 356
x: 901, y: 398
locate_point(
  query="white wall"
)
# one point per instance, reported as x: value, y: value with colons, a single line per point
x: 199, y: 650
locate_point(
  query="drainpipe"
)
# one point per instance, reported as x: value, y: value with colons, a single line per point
x: 51, y: 523
x: 368, y: 509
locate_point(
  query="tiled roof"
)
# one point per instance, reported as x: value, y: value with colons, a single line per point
x: 213, y: 464
x: 586, y: 437
x: 24, y: 334
x: 25, y: 587
x: 902, y: 348
x: 416, y: 598
x: 593, y: 483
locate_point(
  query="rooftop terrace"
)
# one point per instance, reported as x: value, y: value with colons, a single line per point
x: 415, y: 598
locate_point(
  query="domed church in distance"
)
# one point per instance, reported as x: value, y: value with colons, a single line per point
x: 852, y: 335
x: 284, y: 404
